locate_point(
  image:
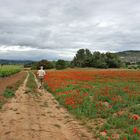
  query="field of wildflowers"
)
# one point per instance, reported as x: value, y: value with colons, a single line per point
x: 107, y: 100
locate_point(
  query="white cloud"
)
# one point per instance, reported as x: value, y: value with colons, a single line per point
x: 16, y: 49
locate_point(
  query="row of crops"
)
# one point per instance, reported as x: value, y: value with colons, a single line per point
x: 7, y: 70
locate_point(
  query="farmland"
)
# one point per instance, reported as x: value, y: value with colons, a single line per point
x: 7, y: 70
x: 107, y: 101
x: 34, y: 112
x: 10, y: 80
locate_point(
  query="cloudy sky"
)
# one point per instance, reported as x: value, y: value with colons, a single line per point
x: 52, y: 29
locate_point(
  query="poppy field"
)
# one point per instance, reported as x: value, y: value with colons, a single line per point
x: 107, y: 101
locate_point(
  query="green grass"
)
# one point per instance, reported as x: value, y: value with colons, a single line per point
x: 135, y: 109
x: 31, y: 84
x: 10, y: 90
x: 9, y: 93
x: 7, y: 70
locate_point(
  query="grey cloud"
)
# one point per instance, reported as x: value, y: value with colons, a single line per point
x: 62, y: 26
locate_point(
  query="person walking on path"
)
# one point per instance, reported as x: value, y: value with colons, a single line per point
x: 41, y: 73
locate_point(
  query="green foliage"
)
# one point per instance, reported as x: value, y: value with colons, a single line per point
x: 135, y: 109
x: 9, y: 93
x: 10, y: 90
x: 113, y: 60
x: 7, y: 70
x: 29, y: 64
x: 45, y: 63
x: 31, y: 84
x: 133, y: 66
x: 60, y: 64
x: 84, y: 58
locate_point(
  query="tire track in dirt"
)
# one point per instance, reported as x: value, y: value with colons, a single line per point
x: 38, y: 117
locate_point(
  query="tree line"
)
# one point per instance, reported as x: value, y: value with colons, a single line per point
x: 84, y: 58
x: 59, y: 64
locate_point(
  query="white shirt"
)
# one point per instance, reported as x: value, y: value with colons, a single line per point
x: 41, y: 73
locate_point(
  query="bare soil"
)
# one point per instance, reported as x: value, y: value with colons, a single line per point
x: 11, y: 80
x: 38, y: 116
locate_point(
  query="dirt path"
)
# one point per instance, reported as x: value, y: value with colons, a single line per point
x: 38, y: 117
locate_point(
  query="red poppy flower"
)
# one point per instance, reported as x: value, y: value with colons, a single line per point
x: 135, y: 117
x: 135, y: 130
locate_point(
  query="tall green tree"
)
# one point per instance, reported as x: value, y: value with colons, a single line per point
x: 60, y: 64
x: 45, y: 63
x: 88, y: 58
x: 113, y: 61
x: 84, y: 58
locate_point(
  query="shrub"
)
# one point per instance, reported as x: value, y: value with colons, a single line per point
x: 60, y: 64
x: 9, y: 93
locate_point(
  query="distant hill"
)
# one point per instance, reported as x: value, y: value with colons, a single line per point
x: 22, y: 62
x: 131, y: 56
